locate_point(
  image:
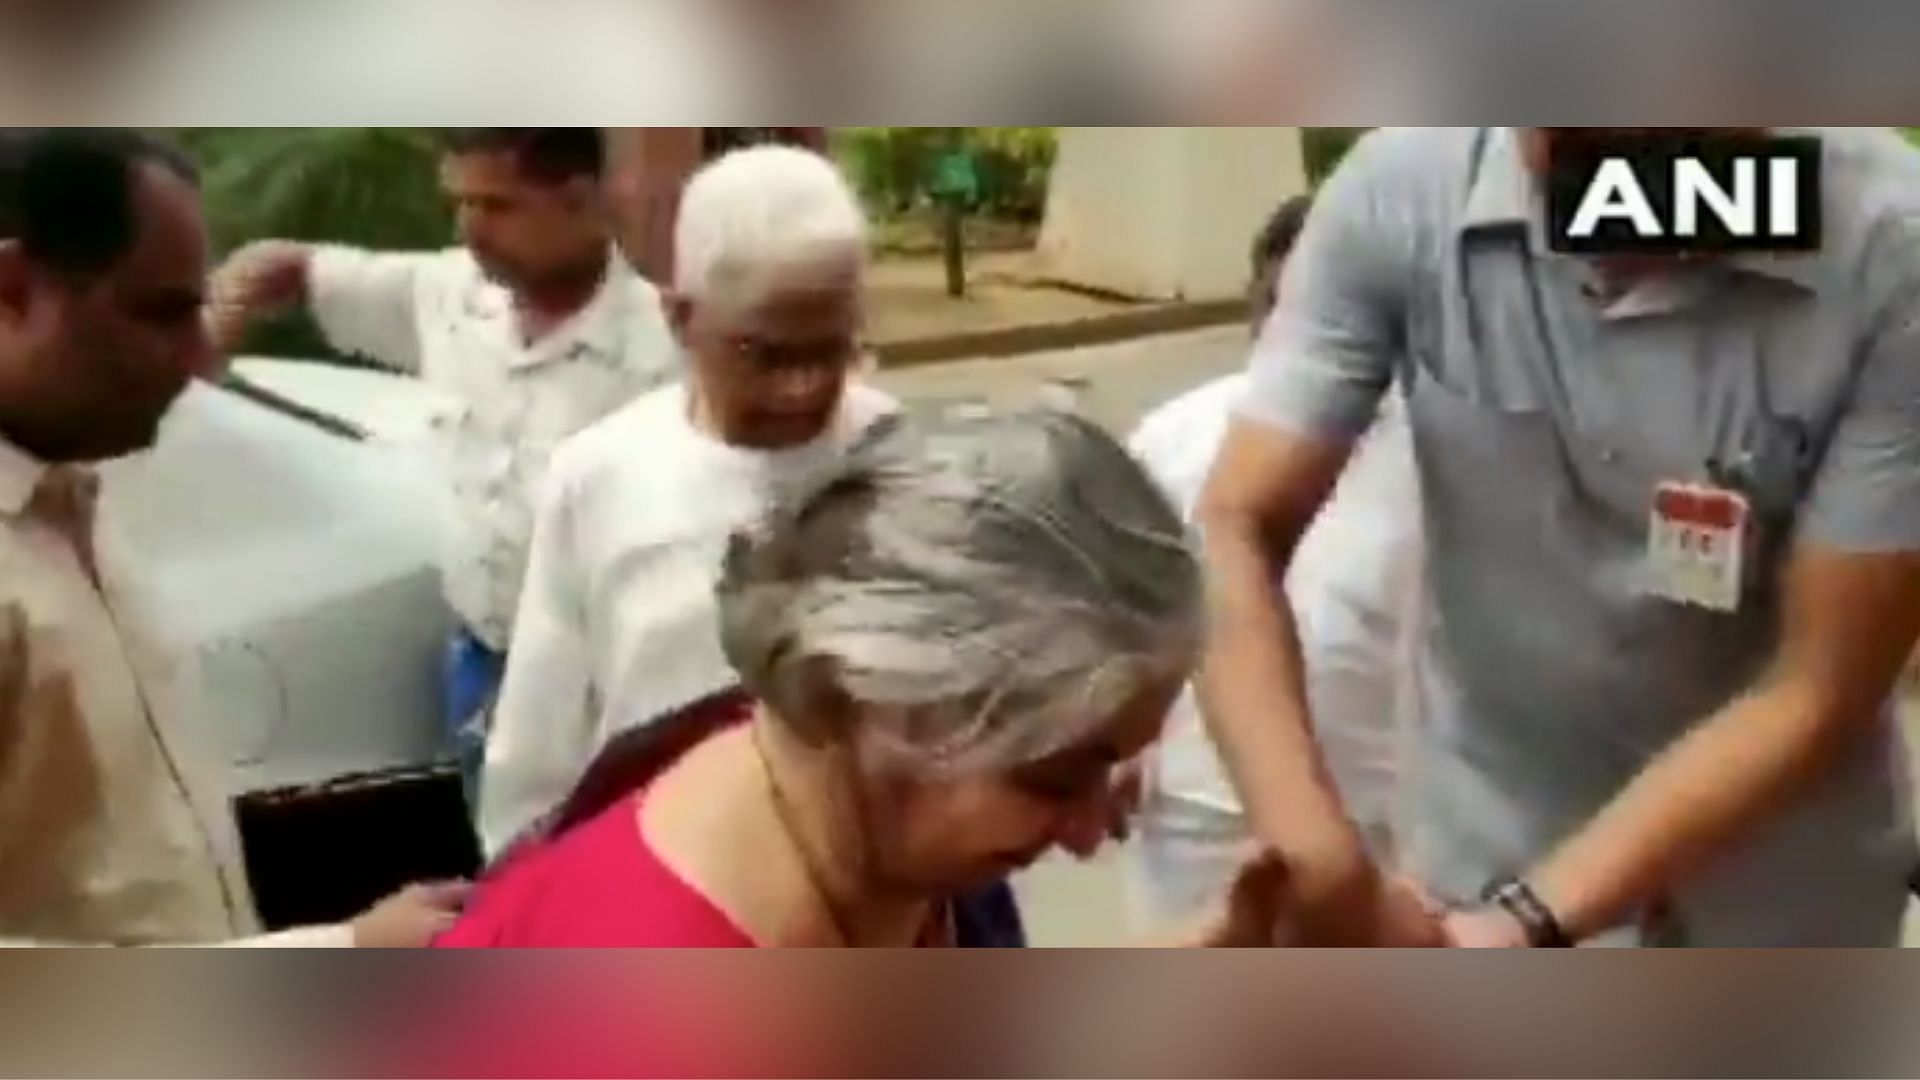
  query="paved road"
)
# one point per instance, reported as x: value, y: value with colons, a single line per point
x: 1118, y: 383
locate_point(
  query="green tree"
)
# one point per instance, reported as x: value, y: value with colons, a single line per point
x: 369, y: 187
x: 893, y: 167
x: 1325, y: 148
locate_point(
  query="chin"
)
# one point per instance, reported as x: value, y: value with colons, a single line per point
x: 775, y: 436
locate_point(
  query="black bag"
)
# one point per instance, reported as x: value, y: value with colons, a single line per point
x: 323, y: 854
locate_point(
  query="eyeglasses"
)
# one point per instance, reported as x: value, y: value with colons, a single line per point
x: 772, y: 358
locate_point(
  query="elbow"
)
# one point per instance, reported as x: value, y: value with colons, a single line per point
x: 1236, y: 536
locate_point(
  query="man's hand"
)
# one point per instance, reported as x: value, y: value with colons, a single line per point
x: 260, y: 280
x: 1361, y: 908
x: 1255, y: 914
x: 411, y: 918
x: 1487, y: 928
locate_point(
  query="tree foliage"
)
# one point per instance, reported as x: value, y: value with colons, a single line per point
x: 1325, y: 148
x: 894, y: 167
x: 370, y: 187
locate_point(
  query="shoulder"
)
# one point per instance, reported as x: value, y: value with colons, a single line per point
x: 1420, y: 169
x: 1398, y: 200
x: 598, y: 886
x: 636, y: 428
x: 1872, y: 212
x: 647, y: 430
x: 1177, y: 423
x: 862, y: 405
x: 554, y: 893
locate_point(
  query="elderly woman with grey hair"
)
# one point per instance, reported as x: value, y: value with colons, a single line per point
x: 946, y: 650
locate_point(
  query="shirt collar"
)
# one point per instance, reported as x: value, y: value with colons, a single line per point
x: 596, y: 330
x: 1502, y: 193
x: 1504, y: 196
x: 20, y: 476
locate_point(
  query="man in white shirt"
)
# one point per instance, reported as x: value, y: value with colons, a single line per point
x: 535, y: 330
x: 114, y: 828
x: 619, y: 624
x: 1355, y: 586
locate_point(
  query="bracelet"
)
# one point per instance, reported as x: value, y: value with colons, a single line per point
x: 1536, y: 919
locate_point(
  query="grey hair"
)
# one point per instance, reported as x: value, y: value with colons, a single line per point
x: 976, y: 592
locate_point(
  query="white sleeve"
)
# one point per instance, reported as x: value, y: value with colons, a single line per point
x: 543, y: 727
x: 367, y: 303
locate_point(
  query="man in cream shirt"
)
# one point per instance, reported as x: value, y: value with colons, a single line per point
x: 114, y: 826
x: 534, y: 329
x: 619, y: 624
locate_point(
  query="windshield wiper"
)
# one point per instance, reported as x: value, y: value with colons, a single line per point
x: 286, y: 406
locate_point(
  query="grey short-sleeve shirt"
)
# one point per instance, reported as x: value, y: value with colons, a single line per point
x: 1546, y: 417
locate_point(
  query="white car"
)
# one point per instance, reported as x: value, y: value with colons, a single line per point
x: 287, y: 528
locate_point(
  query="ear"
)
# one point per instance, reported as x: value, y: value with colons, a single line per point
x: 16, y: 281
x: 679, y: 309
x: 588, y: 195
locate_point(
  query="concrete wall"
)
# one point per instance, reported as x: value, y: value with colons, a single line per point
x: 1165, y: 213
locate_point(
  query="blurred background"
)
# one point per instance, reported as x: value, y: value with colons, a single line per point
x: 377, y: 187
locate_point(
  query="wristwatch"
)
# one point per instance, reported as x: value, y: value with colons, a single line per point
x: 1536, y: 919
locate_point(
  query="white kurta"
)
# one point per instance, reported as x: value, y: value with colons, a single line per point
x: 619, y: 623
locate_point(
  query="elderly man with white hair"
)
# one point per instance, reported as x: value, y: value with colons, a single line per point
x: 618, y: 623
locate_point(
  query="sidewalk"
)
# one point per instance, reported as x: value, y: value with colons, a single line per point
x: 1010, y: 310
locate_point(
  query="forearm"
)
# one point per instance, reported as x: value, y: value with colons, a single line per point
x: 1708, y: 791
x: 1253, y: 692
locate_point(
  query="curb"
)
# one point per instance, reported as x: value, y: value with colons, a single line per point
x: 1010, y: 341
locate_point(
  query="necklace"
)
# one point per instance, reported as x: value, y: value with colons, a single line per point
x: 809, y: 865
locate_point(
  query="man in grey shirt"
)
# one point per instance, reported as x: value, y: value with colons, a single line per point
x: 1601, y: 763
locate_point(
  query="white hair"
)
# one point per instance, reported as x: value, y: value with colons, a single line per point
x: 762, y: 214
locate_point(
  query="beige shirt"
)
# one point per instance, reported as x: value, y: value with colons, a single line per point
x: 510, y: 402
x: 114, y: 825
x: 109, y: 828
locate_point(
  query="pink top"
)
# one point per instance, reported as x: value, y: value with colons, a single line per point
x: 600, y: 886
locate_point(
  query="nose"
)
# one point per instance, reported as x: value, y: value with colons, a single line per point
x: 798, y: 386
x: 1083, y: 826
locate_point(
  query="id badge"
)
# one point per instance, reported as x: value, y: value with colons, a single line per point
x: 1698, y: 551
